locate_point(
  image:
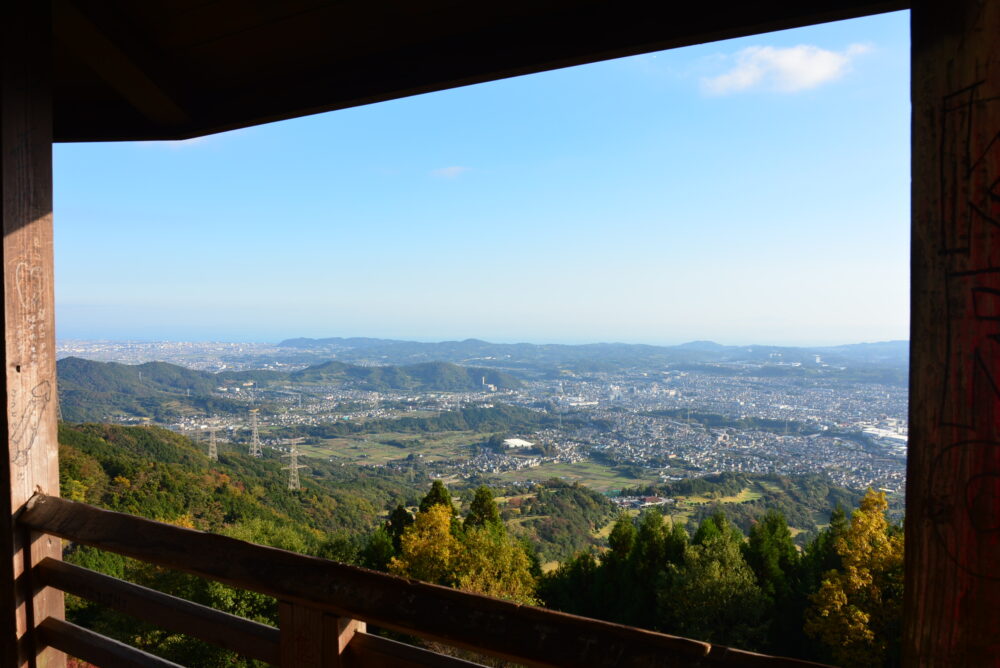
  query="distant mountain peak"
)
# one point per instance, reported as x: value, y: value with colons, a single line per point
x: 702, y: 345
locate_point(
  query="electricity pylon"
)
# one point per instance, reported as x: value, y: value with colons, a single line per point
x: 255, y: 449
x: 213, y: 444
x: 293, y: 466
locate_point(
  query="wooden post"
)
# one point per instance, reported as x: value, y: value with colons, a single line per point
x: 953, y: 478
x: 311, y: 638
x: 28, y: 353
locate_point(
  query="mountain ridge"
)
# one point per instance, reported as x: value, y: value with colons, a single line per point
x: 594, y: 356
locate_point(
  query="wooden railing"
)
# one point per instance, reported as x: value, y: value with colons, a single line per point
x: 324, y: 607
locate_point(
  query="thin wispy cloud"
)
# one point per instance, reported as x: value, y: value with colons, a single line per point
x: 450, y: 172
x: 782, y: 70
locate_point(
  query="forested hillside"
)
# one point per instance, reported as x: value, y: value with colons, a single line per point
x: 93, y: 391
x: 435, y: 376
x: 561, y: 519
x: 161, y: 475
x: 838, y: 599
x: 804, y: 500
x: 497, y: 418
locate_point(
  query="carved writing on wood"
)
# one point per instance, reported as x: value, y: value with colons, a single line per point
x: 964, y: 500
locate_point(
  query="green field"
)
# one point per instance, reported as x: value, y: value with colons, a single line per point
x: 605, y: 530
x: 376, y: 449
x: 745, y: 495
x: 382, y: 448
x: 596, y: 476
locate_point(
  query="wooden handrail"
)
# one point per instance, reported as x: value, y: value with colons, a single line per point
x: 528, y: 635
x: 371, y: 651
x: 249, y: 638
x: 95, y: 648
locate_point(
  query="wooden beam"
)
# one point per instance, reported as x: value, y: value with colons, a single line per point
x: 97, y: 649
x: 86, y: 41
x: 249, y: 638
x: 952, y: 607
x: 525, y: 634
x: 28, y: 353
x: 371, y: 651
x: 241, y: 68
x: 528, y: 635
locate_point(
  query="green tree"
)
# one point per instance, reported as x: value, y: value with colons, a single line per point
x: 713, y: 595
x: 437, y: 496
x: 574, y: 587
x: 483, y: 510
x: 713, y: 526
x: 821, y: 553
x: 378, y: 550
x: 622, y: 538
x: 649, y: 553
x: 658, y: 546
x: 771, y: 554
x: 399, y: 519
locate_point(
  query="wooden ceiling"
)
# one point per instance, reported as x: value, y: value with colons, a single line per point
x: 172, y: 69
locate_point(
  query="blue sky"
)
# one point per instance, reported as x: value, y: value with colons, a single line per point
x: 746, y: 191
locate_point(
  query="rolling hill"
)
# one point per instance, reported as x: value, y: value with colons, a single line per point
x: 600, y: 356
x: 93, y: 391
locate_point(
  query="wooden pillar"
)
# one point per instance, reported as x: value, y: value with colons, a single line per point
x: 28, y: 353
x: 311, y: 638
x: 953, y: 478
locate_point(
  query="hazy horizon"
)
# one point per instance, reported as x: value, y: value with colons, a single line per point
x: 477, y: 338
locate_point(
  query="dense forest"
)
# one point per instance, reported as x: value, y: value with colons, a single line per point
x: 560, y: 519
x: 838, y: 599
x: 804, y: 500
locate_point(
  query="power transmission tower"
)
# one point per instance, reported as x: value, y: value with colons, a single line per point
x: 213, y: 444
x: 559, y: 405
x: 293, y: 466
x: 255, y: 449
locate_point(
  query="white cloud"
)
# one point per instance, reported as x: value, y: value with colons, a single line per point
x: 785, y: 70
x: 449, y: 172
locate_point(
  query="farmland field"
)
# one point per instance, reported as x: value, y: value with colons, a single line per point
x: 592, y: 474
x: 382, y: 448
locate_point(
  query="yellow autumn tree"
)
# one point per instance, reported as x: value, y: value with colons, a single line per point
x: 857, y: 611
x: 482, y: 558
x: 428, y: 550
x: 494, y: 563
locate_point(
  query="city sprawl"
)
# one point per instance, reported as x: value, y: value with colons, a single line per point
x: 658, y: 421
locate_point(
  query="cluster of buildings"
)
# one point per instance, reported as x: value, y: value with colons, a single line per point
x: 669, y: 423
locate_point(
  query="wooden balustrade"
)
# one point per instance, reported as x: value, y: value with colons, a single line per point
x: 257, y: 641
x: 324, y: 607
